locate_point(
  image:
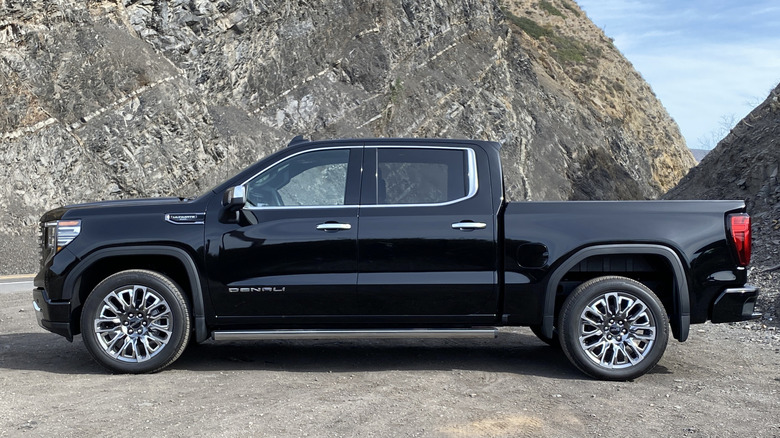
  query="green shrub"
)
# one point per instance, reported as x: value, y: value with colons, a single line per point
x: 571, y: 8
x: 567, y: 50
x: 396, y: 88
x: 528, y: 26
x: 550, y: 9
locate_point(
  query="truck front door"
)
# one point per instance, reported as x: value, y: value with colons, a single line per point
x: 293, y: 253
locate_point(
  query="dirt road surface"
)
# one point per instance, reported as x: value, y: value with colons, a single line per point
x: 725, y: 381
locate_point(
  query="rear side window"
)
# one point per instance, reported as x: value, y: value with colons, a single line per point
x: 421, y: 175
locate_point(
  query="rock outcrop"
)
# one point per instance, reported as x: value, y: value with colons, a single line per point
x: 746, y: 165
x: 110, y: 99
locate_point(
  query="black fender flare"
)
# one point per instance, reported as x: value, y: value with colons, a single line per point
x: 198, y: 311
x: 682, y: 311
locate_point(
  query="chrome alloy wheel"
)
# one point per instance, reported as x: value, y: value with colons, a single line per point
x: 617, y: 330
x: 133, y: 324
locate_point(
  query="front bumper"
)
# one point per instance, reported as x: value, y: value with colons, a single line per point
x: 736, y: 304
x: 52, y: 315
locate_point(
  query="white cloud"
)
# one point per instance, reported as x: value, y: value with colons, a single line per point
x: 700, y: 86
x: 769, y: 10
x: 705, y: 60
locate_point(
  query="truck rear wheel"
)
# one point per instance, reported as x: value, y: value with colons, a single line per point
x: 613, y: 328
x: 136, y: 321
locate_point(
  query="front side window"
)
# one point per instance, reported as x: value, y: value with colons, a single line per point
x: 317, y: 178
x: 421, y: 176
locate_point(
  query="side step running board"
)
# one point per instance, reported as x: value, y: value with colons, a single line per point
x: 258, y: 335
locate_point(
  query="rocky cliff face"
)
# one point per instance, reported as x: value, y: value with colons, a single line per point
x: 638, y: 136
x: 110, y: 99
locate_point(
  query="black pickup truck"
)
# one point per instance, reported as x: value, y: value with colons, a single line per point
x: 389, y: 238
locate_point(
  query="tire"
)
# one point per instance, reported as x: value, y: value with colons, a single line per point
x: 613, y: 328
x: 136, y: 321
x: 552, y: 342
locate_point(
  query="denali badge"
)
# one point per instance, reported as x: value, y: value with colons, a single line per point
x: 186, y: 218
x: 257, y: 289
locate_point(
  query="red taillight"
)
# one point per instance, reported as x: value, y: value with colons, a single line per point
x: 740, y: 236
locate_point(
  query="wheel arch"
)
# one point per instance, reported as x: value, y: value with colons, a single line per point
x: 173, y: 262
x: 681, y: 298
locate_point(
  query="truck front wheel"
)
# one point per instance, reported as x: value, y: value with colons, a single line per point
x: 135, y: 321
x: 613, y: 328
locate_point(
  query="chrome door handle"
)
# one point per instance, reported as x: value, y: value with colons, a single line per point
x: 469, y: 226
x: 334, y: 227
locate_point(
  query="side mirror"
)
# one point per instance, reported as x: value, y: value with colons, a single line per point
x: 234, y: 198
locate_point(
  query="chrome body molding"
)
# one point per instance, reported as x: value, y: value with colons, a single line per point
x: 259, y: 335
x: 736, y: 304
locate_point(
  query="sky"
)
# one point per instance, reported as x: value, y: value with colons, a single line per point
x: 710, y: 62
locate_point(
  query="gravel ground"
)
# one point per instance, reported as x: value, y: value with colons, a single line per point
x: 19, y: 254
x: 769, y: 298
x: 724, y: 381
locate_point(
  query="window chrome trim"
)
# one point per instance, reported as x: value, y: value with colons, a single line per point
x: 473, y: 180
x: 282, y: 207
x: 472, y: 176
x: 268, y: 207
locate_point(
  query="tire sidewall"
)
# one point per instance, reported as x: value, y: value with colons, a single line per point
x: 179, y: 314
x: 569, y: 320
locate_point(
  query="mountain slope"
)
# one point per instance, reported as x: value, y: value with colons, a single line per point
x: 108, y: 99
x: 744, y: 165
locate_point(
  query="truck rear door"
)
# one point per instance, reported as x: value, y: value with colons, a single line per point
x: 426, y: 236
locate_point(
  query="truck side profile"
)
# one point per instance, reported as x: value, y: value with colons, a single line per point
x: 389, y: 238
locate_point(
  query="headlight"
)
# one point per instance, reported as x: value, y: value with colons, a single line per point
x: 61, y: 233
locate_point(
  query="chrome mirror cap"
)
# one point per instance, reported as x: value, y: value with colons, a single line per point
x: 234, y: 198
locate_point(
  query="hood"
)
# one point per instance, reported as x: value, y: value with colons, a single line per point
x: 127, y: 202
x: 88, y: 207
